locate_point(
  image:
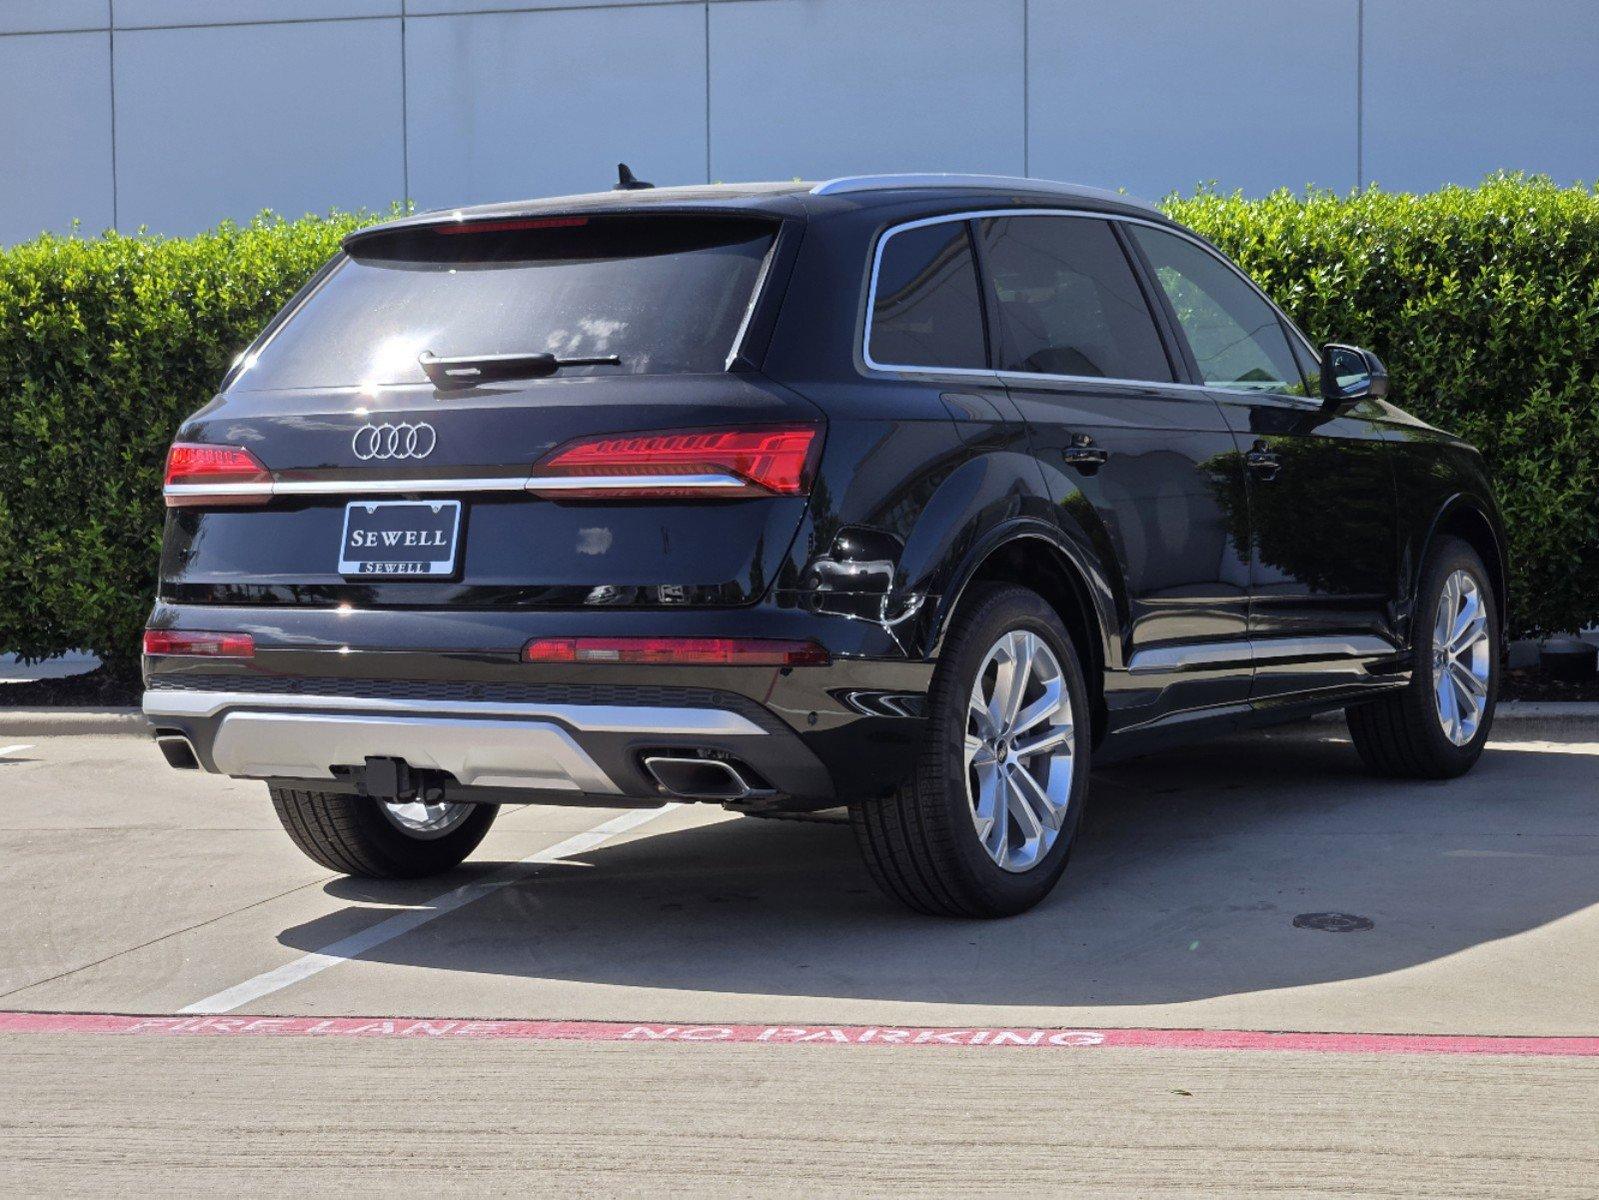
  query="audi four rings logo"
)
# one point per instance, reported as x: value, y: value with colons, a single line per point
x: 405, y: 440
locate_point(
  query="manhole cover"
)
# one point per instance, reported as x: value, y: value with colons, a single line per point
x: 1332, y: 922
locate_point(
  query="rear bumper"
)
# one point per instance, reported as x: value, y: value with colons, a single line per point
x: 445, y: 690
x: 500, y: 750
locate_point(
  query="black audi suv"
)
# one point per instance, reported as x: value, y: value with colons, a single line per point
x: 911, y: 495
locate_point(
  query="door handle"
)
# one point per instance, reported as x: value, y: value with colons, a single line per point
x: 1084, y: 455
x: 1263, y: 461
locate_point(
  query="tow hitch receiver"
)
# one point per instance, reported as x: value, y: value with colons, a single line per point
x: 388, y: 779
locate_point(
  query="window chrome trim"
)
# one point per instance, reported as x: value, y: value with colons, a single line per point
x: 1202, y: 655
x: 1025, y: 376
x: 737, y: 347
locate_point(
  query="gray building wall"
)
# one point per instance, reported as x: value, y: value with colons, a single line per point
x: 174, y: 114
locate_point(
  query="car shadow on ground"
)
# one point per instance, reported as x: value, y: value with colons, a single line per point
x: 1188, y: 872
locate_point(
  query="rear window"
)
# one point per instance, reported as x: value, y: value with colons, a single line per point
x: 667, y: 295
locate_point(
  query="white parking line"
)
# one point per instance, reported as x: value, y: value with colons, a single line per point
x: 358, y: 944
x: 5, y: 750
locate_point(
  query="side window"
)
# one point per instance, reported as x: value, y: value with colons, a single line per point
x: 1309, y: 367
x: 925, y: 311
x: 1234, y: 334
x: 1068, y: 301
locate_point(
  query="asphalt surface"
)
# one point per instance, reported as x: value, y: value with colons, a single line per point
x: 130, y: 888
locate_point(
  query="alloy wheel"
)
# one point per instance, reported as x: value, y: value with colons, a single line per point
x: 1461, y: 658
x: 1019, y: 750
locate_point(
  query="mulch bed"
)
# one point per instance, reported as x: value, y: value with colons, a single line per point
x: 99, y: 688
x: 1530, y: 684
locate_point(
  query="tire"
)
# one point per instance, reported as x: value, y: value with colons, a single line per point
x: 922, y: 844
x: 1403, y: 735
x: 354, y: 836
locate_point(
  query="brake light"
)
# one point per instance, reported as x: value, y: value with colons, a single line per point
x: 199, y: 645
x: 513, y: 226
x: 680, y: 651
x: 203, y: 474
x: 701, y: 463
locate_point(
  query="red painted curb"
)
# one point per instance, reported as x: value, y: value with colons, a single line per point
x: 784, y: 1035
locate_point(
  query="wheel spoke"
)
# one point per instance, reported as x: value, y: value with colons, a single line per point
x: 1470, y: 683
x: 989, y: 810
x: 1446, y: 614
x: 1010, y: 683
x: 1466, y: 708
x: 1037, y: 800
x: 1042, y: 709
x: 1052, y: 738
x: 1470, y: 623
x: 1019, y: 803
x: 1448, y: 706
x: 977, y: 714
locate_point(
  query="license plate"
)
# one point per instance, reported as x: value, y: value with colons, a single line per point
x: 400, y: 537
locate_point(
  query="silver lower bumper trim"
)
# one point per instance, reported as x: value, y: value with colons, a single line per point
x: 585, y: 718
x: 506, y: 754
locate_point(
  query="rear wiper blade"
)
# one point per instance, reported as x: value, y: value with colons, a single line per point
x: 474, y: 369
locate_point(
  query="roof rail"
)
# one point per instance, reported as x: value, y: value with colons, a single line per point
x: 874, y: 183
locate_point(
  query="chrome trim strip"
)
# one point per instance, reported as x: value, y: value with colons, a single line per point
x: 477, y: 753
x: 845, y: 184
x: 1352, y: 646
x: 1200, y: 655
x: 1185, y: 658
x: 496, y: 483
x: 216, y: 489
x: 395, y: 487
x: 1028, y: 376
x: 586, y: 718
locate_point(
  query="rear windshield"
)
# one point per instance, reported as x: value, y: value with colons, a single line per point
x: 666, y: 295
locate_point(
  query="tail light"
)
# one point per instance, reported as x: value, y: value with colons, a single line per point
x: 677, y: 464
x: 199, y: 645
x: 680, y: 651
x: 211, y: 475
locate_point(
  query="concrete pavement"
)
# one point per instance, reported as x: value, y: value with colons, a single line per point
x: 132, y: 888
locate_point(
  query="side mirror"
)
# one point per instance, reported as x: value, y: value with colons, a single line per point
x: 1349, y: 373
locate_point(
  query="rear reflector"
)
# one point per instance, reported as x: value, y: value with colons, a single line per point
x: 199, y: 645
x: 698, y: 463
x: 681, y: 651
x: 202, y: 474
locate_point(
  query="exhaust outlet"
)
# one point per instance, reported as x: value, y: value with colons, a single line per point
x: 699, y: 778
x: 178, y: 751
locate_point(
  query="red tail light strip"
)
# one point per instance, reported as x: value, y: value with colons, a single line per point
x: 776, y: 461
x: 716, y: 463
x: 203, y: 474
x: 678, y: 651
x: 199, y: 645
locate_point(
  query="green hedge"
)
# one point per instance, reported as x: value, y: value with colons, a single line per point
x: 1484, y: 302
x: 1484, y: 305
x: 106, y: 344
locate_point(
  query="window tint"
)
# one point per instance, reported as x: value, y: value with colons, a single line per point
x: 665, y: 294
x: 1068, y: 301
x: 1309, y: 367
x: 1234, y: 334
x: 925, y: 312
